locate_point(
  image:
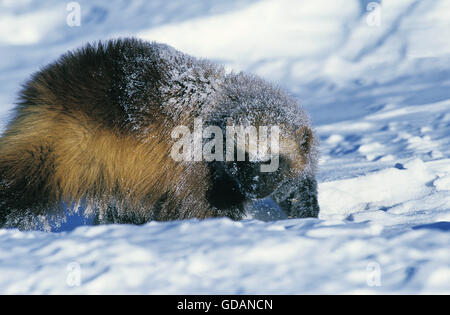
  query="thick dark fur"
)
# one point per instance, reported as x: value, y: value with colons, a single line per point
x: 94, y: 128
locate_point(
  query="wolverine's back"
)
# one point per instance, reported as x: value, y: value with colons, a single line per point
x: 107, y: 81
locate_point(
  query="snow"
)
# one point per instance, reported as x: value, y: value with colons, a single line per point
x: 379, y: 100
x: 288, y: 256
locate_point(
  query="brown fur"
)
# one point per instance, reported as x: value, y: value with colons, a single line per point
x: 75, y: 158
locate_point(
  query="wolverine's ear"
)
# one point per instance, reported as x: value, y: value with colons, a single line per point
x: 305, y: 138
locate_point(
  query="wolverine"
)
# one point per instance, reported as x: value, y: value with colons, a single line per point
x: 94, y: 128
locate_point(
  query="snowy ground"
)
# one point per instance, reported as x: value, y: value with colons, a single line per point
x: 379, y: 97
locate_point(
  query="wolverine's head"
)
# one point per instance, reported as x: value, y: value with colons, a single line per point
x: 270, y: 149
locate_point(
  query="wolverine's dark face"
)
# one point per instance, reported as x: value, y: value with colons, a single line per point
x: 290, y: 184
x: 256, y: 184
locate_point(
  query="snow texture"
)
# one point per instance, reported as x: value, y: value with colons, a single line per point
x: 378, y: 96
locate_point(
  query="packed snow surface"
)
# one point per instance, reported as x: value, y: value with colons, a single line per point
x: 379, y: 98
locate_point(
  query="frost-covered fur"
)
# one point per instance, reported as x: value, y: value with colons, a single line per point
x: 94, y: 128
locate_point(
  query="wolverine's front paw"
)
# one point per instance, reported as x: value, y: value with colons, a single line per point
x: 301, y: 208
x: 301, y: 202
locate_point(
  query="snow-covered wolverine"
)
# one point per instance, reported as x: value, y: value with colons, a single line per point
x: 94, y: 129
